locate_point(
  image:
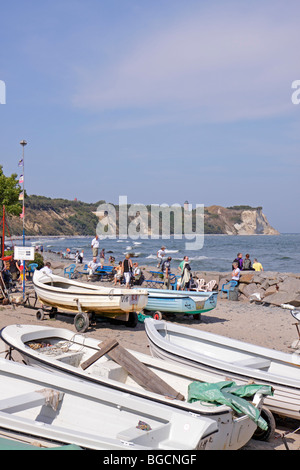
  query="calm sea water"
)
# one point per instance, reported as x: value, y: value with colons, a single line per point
x: 276, y: 253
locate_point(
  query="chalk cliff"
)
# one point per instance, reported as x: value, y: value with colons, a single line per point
x: 46, y: 216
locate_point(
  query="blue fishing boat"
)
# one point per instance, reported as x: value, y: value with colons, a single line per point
x: 178, y: 302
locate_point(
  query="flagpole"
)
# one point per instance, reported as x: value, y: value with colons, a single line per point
x: 23, y: 143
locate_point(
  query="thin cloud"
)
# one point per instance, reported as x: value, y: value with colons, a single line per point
x: 239, y: 68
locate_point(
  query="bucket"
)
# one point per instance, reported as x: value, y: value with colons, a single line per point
x: 233, y: 295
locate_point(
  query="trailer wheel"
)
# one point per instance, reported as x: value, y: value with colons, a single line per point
x: 157, y: 315
x: 81, y: 322
x: 260, y: 434
x: 40, y: 315
x: 132, y: 320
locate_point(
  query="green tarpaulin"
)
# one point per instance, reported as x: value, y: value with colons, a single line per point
x: 230, y: 394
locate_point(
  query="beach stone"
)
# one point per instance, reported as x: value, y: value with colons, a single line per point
x: 257, y: 279
x: 265, y: 284
x: 270, y: 290
x: 273, y: 282
x: 249, y: 289
x: 290, y: 284
x: 247, y: 278
x: 280, y: 298
x: 296, y: 301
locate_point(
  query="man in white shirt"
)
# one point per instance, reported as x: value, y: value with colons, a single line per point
x: 95, y: 246
x: 46, y: 269
x: 92, y: 266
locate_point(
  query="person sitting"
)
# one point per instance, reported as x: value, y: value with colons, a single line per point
x: 92, y: 266
x: 247, y: 264
x: 239, y: 261
x: 118, y: 274
x: 257, y: 266
x: 46, y: 269
x: 235, y: 275
x: 138, y: 277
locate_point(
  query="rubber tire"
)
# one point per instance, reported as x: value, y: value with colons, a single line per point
x: 81, y: 322
x: 260, y: 434
x: 157, y: 315
x: 132, y: 320
x: 40, y: 315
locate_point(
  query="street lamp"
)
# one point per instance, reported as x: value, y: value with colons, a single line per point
x: 23, y: 143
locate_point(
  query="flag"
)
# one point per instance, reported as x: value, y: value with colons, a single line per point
x: 21, y: 180
x: 22, y: 213
x: 21, y: 196
x: 20, y: 162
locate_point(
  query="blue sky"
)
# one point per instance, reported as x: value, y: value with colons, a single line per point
x: 162, y: 101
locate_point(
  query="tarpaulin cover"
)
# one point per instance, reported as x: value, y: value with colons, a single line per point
x: 230, y: 394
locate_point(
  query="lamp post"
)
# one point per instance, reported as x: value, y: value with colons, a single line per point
x: 23, y: 143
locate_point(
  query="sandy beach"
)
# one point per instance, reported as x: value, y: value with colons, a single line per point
x: 272, y: 327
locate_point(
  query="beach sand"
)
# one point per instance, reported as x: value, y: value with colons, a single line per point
x: 272, y: 327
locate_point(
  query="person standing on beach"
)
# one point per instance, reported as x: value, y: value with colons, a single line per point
x: 160, y: 256
x: 102, y: 257
x: 186, y: 274
x: 257, y: 266
x: 127, y: 270
x: 166, y: 269
x: 95, y: 246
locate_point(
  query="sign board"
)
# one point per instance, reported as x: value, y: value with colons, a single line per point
x: 24, y: 253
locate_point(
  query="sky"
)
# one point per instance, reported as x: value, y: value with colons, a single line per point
x: 161, y: 101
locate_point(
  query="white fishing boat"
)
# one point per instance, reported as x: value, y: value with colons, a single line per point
x: 230, y: 358
x: 132, y: 374
x: 86, y: 299
x: 64, y: 411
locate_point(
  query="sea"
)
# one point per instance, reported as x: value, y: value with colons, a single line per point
x: 275, y: 252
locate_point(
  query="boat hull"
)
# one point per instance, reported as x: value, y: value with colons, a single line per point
x: 68, y: 411
x: 207, y: 352
x: 233, y: 431
x: 72, y: 296
x: 187, y: 302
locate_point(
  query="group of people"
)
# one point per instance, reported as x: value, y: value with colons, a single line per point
x: 126, y: 270
x: 239, y: 265
x: 13, y: 271
x: 184, y: 268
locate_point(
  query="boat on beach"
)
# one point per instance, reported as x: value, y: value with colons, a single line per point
x: 62, y: 411
x: 131, y: 374
x: 179, y: 302
x: 87, y: 300
x: 226, y: 357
